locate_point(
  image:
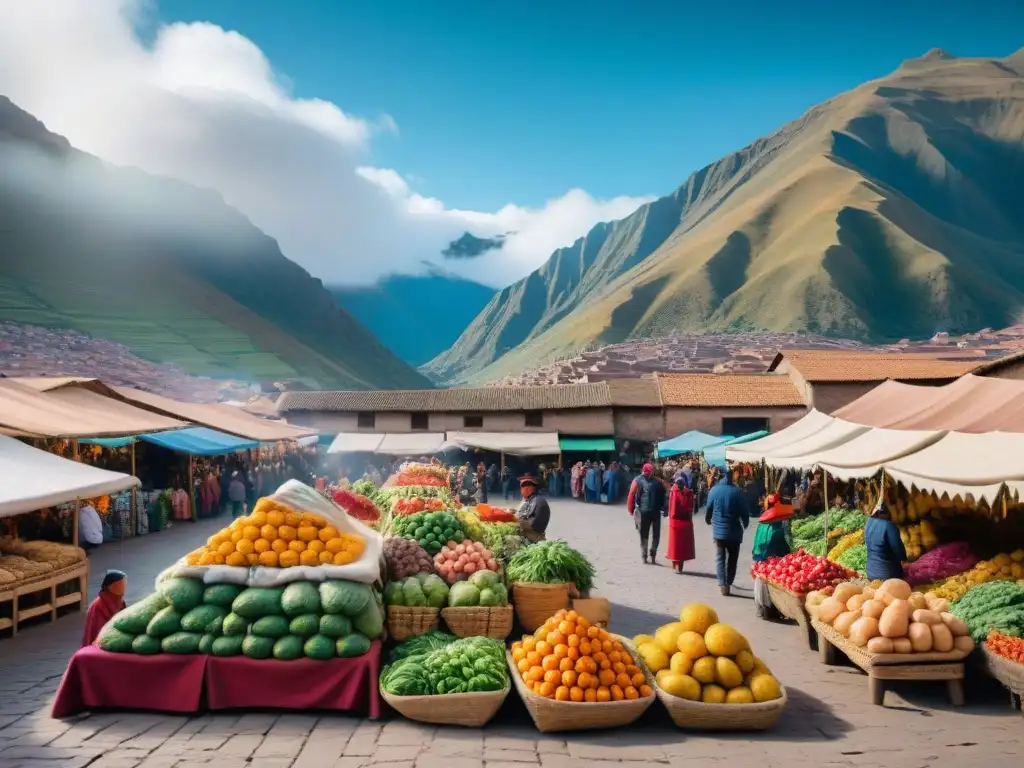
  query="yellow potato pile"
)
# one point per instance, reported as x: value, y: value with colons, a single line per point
x: 277, y: 536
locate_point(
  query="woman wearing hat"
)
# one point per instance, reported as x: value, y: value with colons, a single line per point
x: 534, y: 513
x: 771, y: 539
x: 109, y: 601
x: 680, y: 522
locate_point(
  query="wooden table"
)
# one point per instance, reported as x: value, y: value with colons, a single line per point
x: 884, y: 667
x: 792, y: 606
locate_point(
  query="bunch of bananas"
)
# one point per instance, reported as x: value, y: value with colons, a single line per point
x: 1002, y: 567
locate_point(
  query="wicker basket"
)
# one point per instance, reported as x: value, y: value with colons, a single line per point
x: 472, y: 710
x: 536, y: 603
x: 405, y: 621
x: 551, y: 716
x: 698, y: 716
x: 1007, y: 672
x: 479, y: 621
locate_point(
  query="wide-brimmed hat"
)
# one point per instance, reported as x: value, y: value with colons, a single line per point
x: 528, y: 479
x: 777, y: 511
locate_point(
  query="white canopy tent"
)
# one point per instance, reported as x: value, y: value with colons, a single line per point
x: 834, y: 434
x: 34, y: 479
x: 411, y: 443
x: 963, y: 463
x: 355, y: 442
x: 514, y: 443
x: 864, y: 455
x: 756, y: 450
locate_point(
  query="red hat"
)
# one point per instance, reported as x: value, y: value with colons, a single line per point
x: 647, y: 469
x: 778, y: 510
x: 528, y: 479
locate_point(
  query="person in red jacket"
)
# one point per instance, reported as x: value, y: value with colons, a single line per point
x: 109, y: 601
x: 680, y: 523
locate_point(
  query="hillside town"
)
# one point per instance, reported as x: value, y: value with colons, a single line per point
x: 749, y: 352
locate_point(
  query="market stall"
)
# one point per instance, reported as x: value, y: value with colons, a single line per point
x: 693, y: 441
x: 38, y: 578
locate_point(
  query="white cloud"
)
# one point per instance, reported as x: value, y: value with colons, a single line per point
x: 205, y: 105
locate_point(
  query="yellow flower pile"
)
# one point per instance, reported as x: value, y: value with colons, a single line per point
x: 277, y: 536
x: 1002, y: 567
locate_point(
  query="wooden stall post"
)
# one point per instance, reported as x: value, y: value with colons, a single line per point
x: 191, y: 491
x: 824, y: 493
x: 132, y: 516
x: 502, y: 461
x: 74, y: 449
x: 74, y: 522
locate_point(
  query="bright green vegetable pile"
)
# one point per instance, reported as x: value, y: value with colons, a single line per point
x: 469, y: 665
x: 550, y: 562
x: 997, y: 605
x: 502, y: 539
x: 420, y: 645
x: 808, y: 531
x: 431, y: 529
x: 184, y: 616
x: 482, y: 588
x: 423, y: 589
x: 855, y: 558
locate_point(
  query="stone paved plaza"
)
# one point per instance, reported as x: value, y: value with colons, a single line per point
x: 829, y: 721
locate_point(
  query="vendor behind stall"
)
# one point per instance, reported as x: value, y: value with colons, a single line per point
x: 886, y: 553
x: 534, y: 514
x: 109, y: 601
x: 771, y: 539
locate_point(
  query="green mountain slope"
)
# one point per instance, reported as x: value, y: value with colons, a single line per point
x: 166, y: 269
x: 892, y: 210
x: 416, y: 316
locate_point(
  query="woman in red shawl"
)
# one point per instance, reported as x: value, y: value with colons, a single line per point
x: 680, y: 523
x: 109, y: 601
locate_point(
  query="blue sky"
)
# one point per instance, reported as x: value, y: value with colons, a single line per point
x: 499, y: 101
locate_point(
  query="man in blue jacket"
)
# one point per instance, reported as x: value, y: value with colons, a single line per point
x: 728, y: 513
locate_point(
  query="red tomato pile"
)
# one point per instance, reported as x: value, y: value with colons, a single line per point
x: 356, y: 505
x: 800, y: 572
x: 490, y: 514
x: 416, y: 504
x: 1008, y: 647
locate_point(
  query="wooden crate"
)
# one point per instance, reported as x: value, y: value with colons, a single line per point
x: 884, y: 667
x: 791, y: 605
x: 47, y: 585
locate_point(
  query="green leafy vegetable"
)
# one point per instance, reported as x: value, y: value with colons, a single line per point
x: 472, y: 664
x: 551, y: 562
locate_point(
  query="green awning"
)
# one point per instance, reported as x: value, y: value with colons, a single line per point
x: 595, y: 444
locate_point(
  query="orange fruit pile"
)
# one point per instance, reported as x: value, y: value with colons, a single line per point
x: 277, y: 536
x: 569, y: 659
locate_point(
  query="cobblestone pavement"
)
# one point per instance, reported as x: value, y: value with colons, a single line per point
x: 829, y: 721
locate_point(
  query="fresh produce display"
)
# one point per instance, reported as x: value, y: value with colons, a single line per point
x: 941, y: 563
x: 699, y: 659
x: 503, y: 540
x: 1009, y: 647
x: 304, y: 619
x: 845, y: 543
x: 405, y: 557
x: 568, y: 659
x: 277, y: 536
x: 483, y: 588
x: 1002, y: 567
x: 430, y: 529
x: 420, y: 645
x: 356, y: 505
x: 415, y: 504
x: 551, y: 562
x: 422, y: 590
x: 489, y: 514
x: 918, y: 538
x: 809, y: 532
x: 891, y: 619
x: 471, y: 525
x: 460, y: 561
x: 800, y: 572
x: 469, y: 665
x: 998, y: 605
x: 420, y: 474
x: 855, y: 558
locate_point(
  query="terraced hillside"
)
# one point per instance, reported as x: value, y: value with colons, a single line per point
x: 890, y: 211
x: 168, y: 270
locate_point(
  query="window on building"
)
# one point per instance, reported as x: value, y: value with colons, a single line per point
x: 473, y: 422
x: 366, y: 420
x: 420, y: 420
x: 738, y: 427
x: 535, y: 418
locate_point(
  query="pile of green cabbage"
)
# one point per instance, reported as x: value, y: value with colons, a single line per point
x: 482, y: 588
x: 469, y: 665
x: 423, y: 589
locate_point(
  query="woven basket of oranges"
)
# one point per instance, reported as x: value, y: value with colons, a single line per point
x: 276, y: 536
x: 573, y: 676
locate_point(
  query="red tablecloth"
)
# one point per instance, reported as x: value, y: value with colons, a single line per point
x: 349, y: 685
x: 164, y: 682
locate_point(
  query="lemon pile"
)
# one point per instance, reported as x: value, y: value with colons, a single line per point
x: 277, y: 536
x: 699, y: 659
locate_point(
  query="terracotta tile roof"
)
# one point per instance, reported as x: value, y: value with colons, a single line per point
x: 835, y: 366
x: 552, y: 397
x: 640, y: 392
x: 991, y: 366
x: 741, y: 390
